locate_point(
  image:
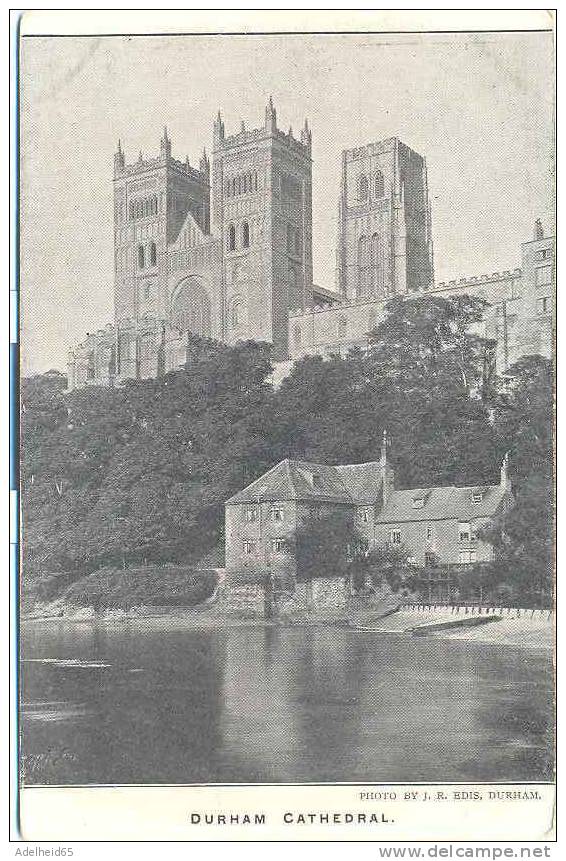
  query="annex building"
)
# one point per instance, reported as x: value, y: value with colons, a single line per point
x: 224, y: 251
x: 432, y: 524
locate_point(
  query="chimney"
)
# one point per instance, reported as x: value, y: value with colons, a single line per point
x: 387, y: 473
x: 504, y: 481
x: 539, y: 232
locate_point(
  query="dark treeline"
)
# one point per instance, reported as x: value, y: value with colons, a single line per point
x: 139, y: 474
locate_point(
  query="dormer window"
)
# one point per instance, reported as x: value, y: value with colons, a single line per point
x: 418, y: 501
x: 365, y: 515
x: 477, y: 497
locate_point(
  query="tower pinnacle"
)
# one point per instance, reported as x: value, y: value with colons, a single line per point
x: 270, y: 117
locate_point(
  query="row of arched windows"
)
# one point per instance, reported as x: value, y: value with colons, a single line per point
x: 294, y: 242
x: 371, y: 274
x: 244, y: 184
x: 143, y: 208
x: 231, y: 243
x: 378, y: 186
x: 147, y: 255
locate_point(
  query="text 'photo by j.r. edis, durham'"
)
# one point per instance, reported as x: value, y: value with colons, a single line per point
x: 287, y: 336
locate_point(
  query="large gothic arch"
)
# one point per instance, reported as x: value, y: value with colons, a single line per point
x: 190, y: 307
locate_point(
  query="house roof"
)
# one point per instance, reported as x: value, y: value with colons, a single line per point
x: 361, y: 484
x: 440, y: 503
x: 303, y: 481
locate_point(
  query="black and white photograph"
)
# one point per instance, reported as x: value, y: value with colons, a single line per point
x: 287, y: 385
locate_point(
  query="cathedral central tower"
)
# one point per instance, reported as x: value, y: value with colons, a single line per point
x: 384, y: 226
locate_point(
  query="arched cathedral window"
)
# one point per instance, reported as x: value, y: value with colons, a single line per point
x: 362, y: 187
x: 376, y: 265
x: 364, y: 266
x: 379, y: 184
x: 236, y: 313
x: 290, y: 236
x: 141, y: 257
x: 246, y: 234
x: 152, y: 254
x: 90, y: 367
x: 231, y: 238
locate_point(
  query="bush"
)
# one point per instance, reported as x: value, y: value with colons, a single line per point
x: 162, y: 586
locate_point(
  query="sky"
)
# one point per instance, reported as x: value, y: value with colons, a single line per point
x: 479, y: 107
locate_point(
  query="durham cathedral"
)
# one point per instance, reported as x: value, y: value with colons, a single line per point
x: 224, y: 251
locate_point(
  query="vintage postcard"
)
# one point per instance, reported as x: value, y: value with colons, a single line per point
x: 287, y: 338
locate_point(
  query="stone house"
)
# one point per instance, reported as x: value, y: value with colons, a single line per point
x: 434, y: 524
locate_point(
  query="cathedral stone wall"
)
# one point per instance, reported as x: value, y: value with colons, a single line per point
x: 226, y: 253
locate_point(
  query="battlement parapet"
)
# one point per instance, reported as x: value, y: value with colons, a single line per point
x: 477, y: 279
x: 254, y: 135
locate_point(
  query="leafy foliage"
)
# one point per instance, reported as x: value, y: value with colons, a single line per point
x: 139, y: 474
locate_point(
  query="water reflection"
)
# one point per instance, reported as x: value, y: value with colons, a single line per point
x: 147, y: 703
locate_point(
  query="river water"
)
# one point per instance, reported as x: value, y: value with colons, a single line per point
x: 155, y: 702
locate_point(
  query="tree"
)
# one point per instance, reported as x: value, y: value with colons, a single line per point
x: 322, y: 546
x: 523, y: 537
x: 383, y: 565
x: 433, y: 341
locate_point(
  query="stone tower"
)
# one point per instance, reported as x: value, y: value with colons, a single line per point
x: 262, y: 209
x: 152, y: 198
x: 384, y: 228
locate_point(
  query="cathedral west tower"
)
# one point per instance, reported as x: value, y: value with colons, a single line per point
x: 262, y: 208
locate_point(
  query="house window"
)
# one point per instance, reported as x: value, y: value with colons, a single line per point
x: 543, y: 275
x: 277, y: 513
x: 464, y: 531
x: 379, y: 184
x: 278, y: 545
x: 365, y: 515
x: 429, y: 559
x: 477, y: 497
x: 543, y: 305
x: 429, y: 533
x: 248, y: 546
x: 544, y: 254
x: 467, y: 557
x: 231, y: 238
x: 250, y: 514
x: 395, y: 536
x: 246, y: 234
x: 362, y: 187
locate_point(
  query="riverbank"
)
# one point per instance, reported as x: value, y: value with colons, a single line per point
x: 527, y: 630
